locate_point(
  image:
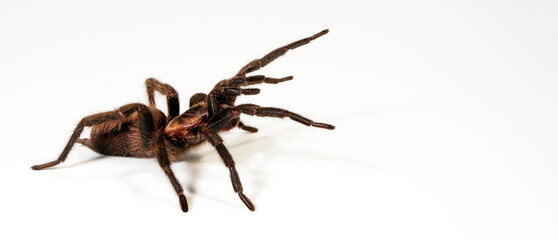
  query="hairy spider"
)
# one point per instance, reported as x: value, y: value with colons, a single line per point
x: 137, y: 130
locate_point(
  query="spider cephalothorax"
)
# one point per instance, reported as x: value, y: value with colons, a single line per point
x: 137, y: 130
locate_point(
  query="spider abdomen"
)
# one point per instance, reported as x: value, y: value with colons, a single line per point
x: 122, y: 137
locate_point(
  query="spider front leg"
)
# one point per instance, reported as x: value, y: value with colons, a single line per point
x: 89, y: 121
x: 173, y: 104
x: 217, y: 142
x: 164, y: 163
x: 270, y: 57
x: 252, y: 109
x: 238, y: 81
x: 147, y: 132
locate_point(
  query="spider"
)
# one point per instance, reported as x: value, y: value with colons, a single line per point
x: 137, y: 130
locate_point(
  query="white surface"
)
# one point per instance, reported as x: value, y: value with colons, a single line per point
x: 446, y: 127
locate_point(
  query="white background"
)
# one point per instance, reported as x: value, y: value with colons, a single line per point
x: 445, y: 116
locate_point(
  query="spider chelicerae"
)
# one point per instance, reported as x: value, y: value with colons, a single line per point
x: 137, y: 130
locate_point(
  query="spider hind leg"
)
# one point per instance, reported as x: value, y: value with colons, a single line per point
x: 89, y: 121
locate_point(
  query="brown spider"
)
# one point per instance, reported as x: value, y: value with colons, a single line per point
x: 137, y: 130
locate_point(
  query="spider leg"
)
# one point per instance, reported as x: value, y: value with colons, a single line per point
x: 172, y: 96
x: 235, y: 91
x: 217, y: 142
x: 215, y: 97
x: 147, y: 132
x: 262, y: 62
x: 252, y: 109
x: 242, y: 80
x: 89, y: 121
x: 164, y: 162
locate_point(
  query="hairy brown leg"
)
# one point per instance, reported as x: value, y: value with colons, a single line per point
x: 217, y: 142
x: 252, y: 109
x: 146, y: 126
x: 238, y: 81
x: 262, y: 62
x: 241, y: 79
x: 88, y: 121
x: 148, y: 131
x: 165, y: 164
x: 173, y: 104
x: 212, y: 107
x: 124, y: 112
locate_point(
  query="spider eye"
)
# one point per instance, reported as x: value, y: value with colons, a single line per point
x: 197, y: 98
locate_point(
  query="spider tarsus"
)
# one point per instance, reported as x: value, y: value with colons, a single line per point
x: 323, y: 125
x: 250, y: 91
x: 317, y: 35
x: 183, y: 203
x: 240, y: 91
x: 250, y: 129
x: 287, y: 78
x: 44, y: 165
x: 36, y: 167
x: 278, y: 80
x: 246, y: 201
